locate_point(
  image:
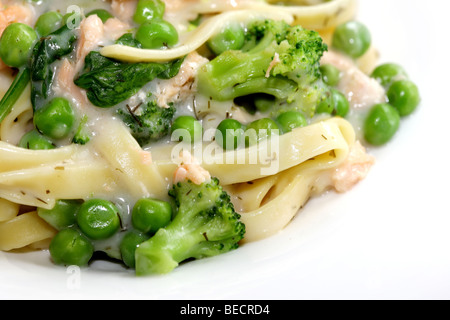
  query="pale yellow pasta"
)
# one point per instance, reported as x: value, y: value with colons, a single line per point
x: 308, y: 154
x: 267, y: 205
x: 24, y: 230
x: 8, y: 210
x: 129, y: 163
x: 268, y: 183
x: 368, y: 61
x: 194, y: 41
x: 320, y: 17
x: 19, y: 121
x: 281, y: 197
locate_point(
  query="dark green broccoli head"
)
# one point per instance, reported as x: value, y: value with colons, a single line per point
x: 205, y: 224
x: 148, y: 122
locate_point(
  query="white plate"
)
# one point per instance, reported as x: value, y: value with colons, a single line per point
x: 386, y: 239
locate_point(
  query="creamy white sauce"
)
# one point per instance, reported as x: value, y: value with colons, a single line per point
x: 209, y: 112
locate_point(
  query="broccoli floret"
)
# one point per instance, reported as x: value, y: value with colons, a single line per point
x: 278, y: 60
x: 205, y: 225
x: 148, y: 122
x: 82, y: 136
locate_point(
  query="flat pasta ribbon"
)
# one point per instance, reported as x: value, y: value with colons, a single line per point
x: 319, y: 17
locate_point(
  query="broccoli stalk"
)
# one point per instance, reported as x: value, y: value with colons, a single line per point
x: 205, y: 225
x: 277, y: 59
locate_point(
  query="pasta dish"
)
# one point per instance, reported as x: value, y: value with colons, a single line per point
x: 154, y: 132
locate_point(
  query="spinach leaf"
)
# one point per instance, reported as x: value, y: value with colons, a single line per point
x: 39, y: 70
x: 129, y: 40
x: 109, y: 82
x: 48, y: 50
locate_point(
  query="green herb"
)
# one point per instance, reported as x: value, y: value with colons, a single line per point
x: 45, y: 53
x: 109, y: 82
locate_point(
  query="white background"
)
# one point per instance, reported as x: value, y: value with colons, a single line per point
x: 389, y: 238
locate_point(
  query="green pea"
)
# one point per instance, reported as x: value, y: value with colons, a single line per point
x: 33, y: 140
x: 98, y: 219
x: 187, y: 127
x: 330, y: 74
x: 335, y: 103
x: 232, y: 37
x: 404, y: 96
x: 128, y: 246
x: 326, y: 105
x: 16, y: 44
x: 62, y: 215
x: 260, y: 130
x: 157, y: 34
x: 48, y: 23
x: 387, y: 73
x: 148, y: 10
x: 70, y: 247
x: 264, y: 103
x: 56, y: 119
x: 103, y: 14
x: 381, y: 124
x: 352, y: 38
x: 229, y: 134
x: 150, y: 215
x: 291, y: 120
x: 341, y: 104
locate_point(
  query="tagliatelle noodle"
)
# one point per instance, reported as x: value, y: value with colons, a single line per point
x: 114, y: 166
x: 319, y: 17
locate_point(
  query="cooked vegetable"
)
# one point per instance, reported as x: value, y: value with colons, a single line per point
x: 291, y: 120
x: 260, y: 130
x: 14, y: 92
x: 16, y: 44
x: 229, y: 134
x: 34, y: 140
x: 232, y: 37
x: 129, y: 40
x: 387, y: 73
x: 277, y: 60
x: 62, y: 215
x: 109, y: 82
x: 103, y: 14
x: 56, y: 119
x: 157, y: 34
x: 48, y: 23
x: 48, y: 50
x: 187, y: 128
x: 147, y: 10
x: 404, y: 96
x: 330, y: 74
x: 341, y: 104
x: 205, y: 225
x: 148, y: 122
x: 128, y: 246
x: 150, y: 215
x: 82, y: 135
x: 98, y: 219
x: 381, y: 124
x: 70, y: 247
x: 335, y: 104
x: 352, y: 38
